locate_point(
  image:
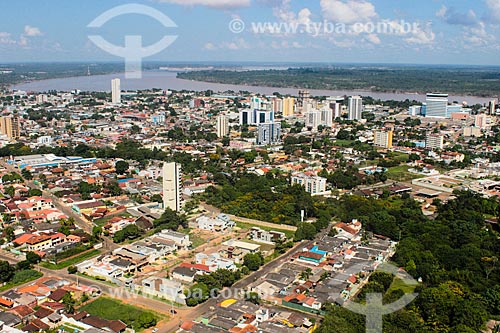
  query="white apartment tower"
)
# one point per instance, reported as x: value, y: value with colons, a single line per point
x: 172, y: 186
x: 355, y: 107
x: 116, y: 93
x: 434, y: 141
x: 222, y: 126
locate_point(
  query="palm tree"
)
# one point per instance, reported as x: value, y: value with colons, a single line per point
x: 305, y: 275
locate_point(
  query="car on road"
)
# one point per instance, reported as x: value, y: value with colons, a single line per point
x: 155, y: 330
x: 173, y: 311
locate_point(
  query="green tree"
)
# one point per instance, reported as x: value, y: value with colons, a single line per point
x: 121, y: 167
x: 253, y: 261
x: 9, y: 233
x: 146, y: 320
x: 33, y: 258
x: 34, y: 192
x: 305, y: 231
x: 252, y: 297
x: 10, y: 191
x: 6, y: 271
x: 27, y: 174
x: 69, y: 303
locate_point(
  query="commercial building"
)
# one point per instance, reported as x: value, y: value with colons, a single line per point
x: 383, y: 139
x: 255, y: 117
x: 116, y: 93
x: 49, y: 160
x: 222, y: 126
x: 437, y: 105
x: 172, y: 186
x: 269, y: 133
x: 355, y: 107
x: 415, y: 110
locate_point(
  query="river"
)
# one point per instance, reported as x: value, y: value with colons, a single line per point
x: 168, y: 80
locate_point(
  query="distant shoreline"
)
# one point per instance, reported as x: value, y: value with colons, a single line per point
x: 169, y: 81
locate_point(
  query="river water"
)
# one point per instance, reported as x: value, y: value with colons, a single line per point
x: 168, y: 80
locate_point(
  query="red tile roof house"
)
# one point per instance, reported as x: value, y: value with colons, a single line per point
x: 23, y: 311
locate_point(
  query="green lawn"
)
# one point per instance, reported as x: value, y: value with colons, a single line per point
x: 102, y: 222
x: 344, y: 143
x: 401, y: 173
x: 22, y: 277
x: 112, y: 309
x: 70, y: 261
x: 289, y: 234
x: 400, y: 284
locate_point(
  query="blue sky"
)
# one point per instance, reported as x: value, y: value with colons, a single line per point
x: 442, y: 32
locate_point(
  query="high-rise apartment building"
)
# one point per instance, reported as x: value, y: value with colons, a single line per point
x: 172, y: 186
x: 116, y: 93
x: 355, y: 108
x: 269, y: 133
x: 313, y: 119
x: 222, y: 126
x: 480, y: 120
x: 434, y: 141
x: 383, y: 139
x: 492, y: 107
x: 326, y: 117
x: 288, y: 106
x: 10, y: 126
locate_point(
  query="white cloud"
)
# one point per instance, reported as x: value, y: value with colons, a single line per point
x: 283, y: 12
x: 5, y: 38
x: 421, y: 37
x: 209, y: 46
x: 374, y: 39
x: 238, y: 44
x: 493, y: 10
x: 478, y: 36
x: 30, y: 31
x: 350, y: 11
x: 442, y: 12
x: 221, y: 4
x: 23, y: 41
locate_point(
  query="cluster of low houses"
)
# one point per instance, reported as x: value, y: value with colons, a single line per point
x: 39, y: 307
x: 242, y: 316
x: 130, y: 265
x: 331, y: 270
x: 33, y: 213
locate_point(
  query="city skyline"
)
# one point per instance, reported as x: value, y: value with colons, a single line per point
x: 444, y: 32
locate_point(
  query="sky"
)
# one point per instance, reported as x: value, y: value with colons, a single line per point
x: 332, y: 31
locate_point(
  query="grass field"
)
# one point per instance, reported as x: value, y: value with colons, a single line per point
x: 400, y: 284
x: 401, y: 173
x: 289, y: 234
x: 112, y: 309
x: 70, y: 261
x: 22, y: 277
x: 102, y: 222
